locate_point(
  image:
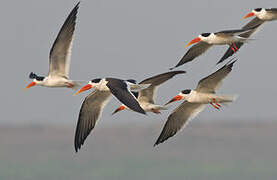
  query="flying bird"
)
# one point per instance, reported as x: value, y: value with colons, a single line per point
x: 195, y: 102
x: 146, y: 96
x: 206, y: 40
x: 59, y: 58
x: 262, y: 15
x: 94, y: 103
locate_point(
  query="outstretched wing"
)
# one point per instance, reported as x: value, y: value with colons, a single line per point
x: 147, y: 94
x: 120, y: 90
x: 89, y: 113
x: 59, y: 59
x: 212, y: 82
x: 177, y: 120
x: 234, y: 32
x: 195, y: 51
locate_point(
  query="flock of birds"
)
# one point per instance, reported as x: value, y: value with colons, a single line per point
x: 140, y: 97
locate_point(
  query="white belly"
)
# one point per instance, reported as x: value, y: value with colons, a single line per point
x: 224, y: 40
x: 56, y: 82
x: 203, y: 98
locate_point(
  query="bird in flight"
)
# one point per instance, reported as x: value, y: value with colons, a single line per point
x: 206, y: 40
x: 59, y: 58
x: 195, y: 102
x: 94, y: 103
x: 262, y: 15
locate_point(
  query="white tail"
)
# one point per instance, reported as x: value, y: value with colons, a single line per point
x: 77, y: 84
x: 226, y: 99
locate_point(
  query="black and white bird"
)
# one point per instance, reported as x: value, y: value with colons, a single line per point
x: 59, y: 58
x: 262, y: 15
x: 206, y: 40
x: 95, y: 102
x: 195, y: 102
x: 146, y: 96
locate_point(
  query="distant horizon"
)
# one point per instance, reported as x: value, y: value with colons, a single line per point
x: 128, y: 123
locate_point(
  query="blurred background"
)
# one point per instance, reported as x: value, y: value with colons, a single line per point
x: 135, y: 39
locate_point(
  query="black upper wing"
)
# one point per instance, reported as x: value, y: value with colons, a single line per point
x: 195, y: 51
x: 120, y: 90
x: 147, y: 94
x: 178, y: 118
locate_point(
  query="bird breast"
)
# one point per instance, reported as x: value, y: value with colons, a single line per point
x: 102, y: 85
x: 223, y: 40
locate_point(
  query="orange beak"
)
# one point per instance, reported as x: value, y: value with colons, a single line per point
x: 176, y: 98
x: 118, y: 109
x: 84, y: 88
x: 30, y: 85
x: 195, y: 40
x: 249, y: 15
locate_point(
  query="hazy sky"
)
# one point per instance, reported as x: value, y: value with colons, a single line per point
x: 131, y: 39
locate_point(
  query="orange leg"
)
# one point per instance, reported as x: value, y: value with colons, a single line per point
x: 233, y: 49
x: 218, y: 106
x: 156, y: 111
x: 234, y: 45
x: 69, y: 85
x: 214, y: 106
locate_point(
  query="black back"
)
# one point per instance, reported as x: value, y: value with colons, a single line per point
x: 119, y: 89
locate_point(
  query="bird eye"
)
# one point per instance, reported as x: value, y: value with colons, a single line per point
x: 186, y: 91
x: 205, y: 34
x: 258, y: 9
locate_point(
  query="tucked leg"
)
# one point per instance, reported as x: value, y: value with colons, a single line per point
x: 236, y: 48
x: 233, y: 49
x: 214, y: 106
x: 214, y: 101
x: 69, y: 85
x: 156, y: 111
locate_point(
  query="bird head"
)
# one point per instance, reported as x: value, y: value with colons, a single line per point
x: 201, y: 37
x: 255, y: 12
x: 182, y: 95
x: 36, y: 80
x: 89, y: 85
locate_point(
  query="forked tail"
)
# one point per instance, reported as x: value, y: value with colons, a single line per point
x: 226, y: 99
